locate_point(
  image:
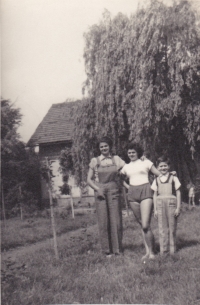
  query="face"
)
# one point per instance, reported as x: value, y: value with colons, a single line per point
x: 104, y: 148
x: 163, y: 167
x: 132, y: 154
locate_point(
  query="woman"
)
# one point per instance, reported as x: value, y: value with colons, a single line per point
x: 104, y: 179
x: 140, y: 195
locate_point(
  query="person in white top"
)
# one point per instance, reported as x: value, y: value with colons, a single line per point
x: 191, y: 195
x: 140, y: 195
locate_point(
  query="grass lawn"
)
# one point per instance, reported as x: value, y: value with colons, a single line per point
x: 19, y: 233
x: 85, y: 276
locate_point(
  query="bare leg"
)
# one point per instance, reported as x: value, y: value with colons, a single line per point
x: 146, y: 211
x: 145, y: 244
x: 135, y: 206
x: 189, y: 202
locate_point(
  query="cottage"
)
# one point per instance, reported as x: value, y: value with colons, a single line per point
x: 52, y: 135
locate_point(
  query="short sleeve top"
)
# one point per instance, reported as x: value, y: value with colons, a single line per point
x: 105, y: 161
x: 163, y: 179
x: 137, y: 171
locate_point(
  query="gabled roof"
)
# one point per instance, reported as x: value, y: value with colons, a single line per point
x: 56, y: 126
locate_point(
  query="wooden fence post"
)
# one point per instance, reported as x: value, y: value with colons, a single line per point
x: 52, y: 212
x: 20, y: 202
x: 72, y: 203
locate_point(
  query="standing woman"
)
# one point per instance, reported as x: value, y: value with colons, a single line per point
x: 140, y: 195
x: 103, y: 178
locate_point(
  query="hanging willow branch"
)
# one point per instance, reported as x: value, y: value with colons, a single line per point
x: 143, y: 84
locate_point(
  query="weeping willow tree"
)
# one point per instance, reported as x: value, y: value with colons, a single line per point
x: 143, y: 85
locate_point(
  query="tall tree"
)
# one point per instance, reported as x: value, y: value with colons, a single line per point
x: 19, y: 168
x: 143, y: 84
x: 11, y: 147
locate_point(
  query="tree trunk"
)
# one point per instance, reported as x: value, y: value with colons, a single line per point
x: 3, y: 207
x: 72, y: 204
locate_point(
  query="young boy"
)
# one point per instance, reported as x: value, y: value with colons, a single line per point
x: 166, y: 205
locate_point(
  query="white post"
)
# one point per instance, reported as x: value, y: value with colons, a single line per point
x: 52, y: 213
x: 72, y: 203
x: 53, y: 226
x: 20, y: 202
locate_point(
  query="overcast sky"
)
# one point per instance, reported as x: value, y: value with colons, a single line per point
x: 42, y: 51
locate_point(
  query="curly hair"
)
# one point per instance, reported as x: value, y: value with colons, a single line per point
x: 137, y: 148
x: 106, y: 140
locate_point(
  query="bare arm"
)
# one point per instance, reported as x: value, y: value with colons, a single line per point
x: 90, y: 181
x: 155, y: 204
x: 123, y: 178
x: 155, y: 171
x: 178, y: 197
x: 126, y: 184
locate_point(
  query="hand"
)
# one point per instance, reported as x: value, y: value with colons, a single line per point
x: 127, y: 186
x: 143, y: 158
x: 173, y: 173
x: 156, y: 214
x: 100, y: 194
x: 177, y: 212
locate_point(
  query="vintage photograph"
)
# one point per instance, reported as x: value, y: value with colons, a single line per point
x: 100, y: 152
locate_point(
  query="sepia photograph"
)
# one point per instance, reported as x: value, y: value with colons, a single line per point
x: 100, y: 152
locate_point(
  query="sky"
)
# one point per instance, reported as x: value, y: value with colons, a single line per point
x: 42, y: 52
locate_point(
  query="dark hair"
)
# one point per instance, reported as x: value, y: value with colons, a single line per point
x: 106, y: 140
x: 137, y: 148
x: 164, y: 159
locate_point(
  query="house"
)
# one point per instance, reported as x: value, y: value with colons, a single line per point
x: 52, y: 135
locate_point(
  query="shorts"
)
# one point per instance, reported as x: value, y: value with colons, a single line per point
x: 137, y: 193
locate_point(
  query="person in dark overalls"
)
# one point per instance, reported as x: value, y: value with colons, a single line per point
x: 103, y: 177
x: 166, y: 205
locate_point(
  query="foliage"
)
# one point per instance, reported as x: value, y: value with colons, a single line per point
x: 10, y: 121
x: 65, y: 189
x: 143, y: 84
x: 19, y: 168
x: 66, y: 168
x: 46, y: 172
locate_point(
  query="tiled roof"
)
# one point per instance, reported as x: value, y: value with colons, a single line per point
x: 56, y: 126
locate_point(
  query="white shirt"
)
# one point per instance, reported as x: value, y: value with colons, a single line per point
x: 163, y: 179
x: 137, y: 171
